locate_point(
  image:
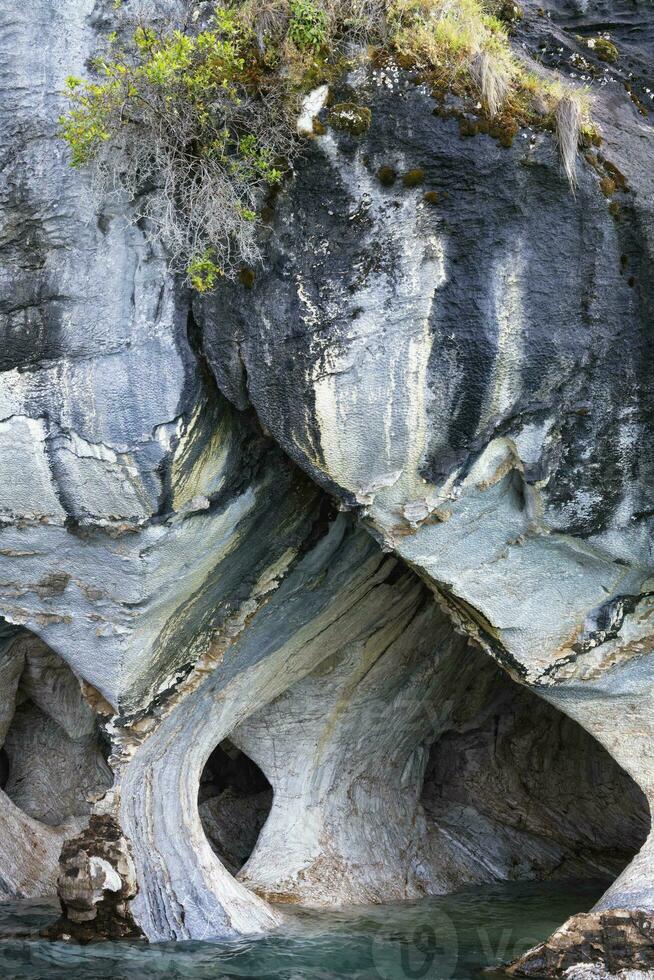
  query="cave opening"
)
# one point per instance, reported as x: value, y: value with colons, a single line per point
x: 234, y: 801
x: 53, y: 758
x: 518, y: 791
x: 53, y: 761
x: 407, y: 763
x: 401, y: 761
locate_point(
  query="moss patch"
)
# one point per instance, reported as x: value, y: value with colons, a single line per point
x: 509, y: 12
x: 387, y: 176
x: 605, y: 50
x: 412, y: 178
x: 468, y: 127
x: 247, y: 277
x: 617, y: 176
x: 353, y: 119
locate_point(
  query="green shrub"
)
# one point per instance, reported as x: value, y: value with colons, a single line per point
x: 203, y: 273
x: 308, y: 25
x: 184, y: 118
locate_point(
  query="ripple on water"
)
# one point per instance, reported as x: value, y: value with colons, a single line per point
x: 451, y: 937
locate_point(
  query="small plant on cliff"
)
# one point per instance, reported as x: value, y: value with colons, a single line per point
x: 307, y: 25
x: 187, y: 128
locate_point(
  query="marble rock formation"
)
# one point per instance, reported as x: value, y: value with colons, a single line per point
x: 380, y: 524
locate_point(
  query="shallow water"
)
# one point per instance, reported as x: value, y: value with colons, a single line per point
x: 454, y: 937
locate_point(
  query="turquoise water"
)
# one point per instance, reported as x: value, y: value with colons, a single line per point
x: 454, y: 937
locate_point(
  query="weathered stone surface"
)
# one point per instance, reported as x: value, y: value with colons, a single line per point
x: 407, y: 763
x: 54, y: 765
x: 489, y: 361
x: 96, y: 882
x: 621, y: 939
x: 469, y: 373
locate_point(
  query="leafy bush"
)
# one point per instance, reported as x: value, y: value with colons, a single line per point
x: 183, y: 118
x: 308, y: 25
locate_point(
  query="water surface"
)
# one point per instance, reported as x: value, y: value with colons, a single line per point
x: 453, y: 937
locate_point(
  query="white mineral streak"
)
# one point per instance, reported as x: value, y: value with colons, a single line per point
x: 508, y: 280
x: 358, y: 385
x: 111, y: 877
x: 311, y: 106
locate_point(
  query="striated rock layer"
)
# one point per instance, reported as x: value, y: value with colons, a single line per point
x: 470, y: 372
x: 469, y: 375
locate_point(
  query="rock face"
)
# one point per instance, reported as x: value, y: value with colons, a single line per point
x: 469, y: 374
x: 469, y: 371
x: 408, y: 764
x: 619, y: 940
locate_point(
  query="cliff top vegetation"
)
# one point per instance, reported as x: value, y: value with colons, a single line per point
x: 195, y: 120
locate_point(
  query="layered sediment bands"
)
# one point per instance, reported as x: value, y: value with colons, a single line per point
x: 330, y: 594
x: 345, y: 751
x: 334, y: 592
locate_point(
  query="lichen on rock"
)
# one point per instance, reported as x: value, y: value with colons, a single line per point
x: 353, y: 119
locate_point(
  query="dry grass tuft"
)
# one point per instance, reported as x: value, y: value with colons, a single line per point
x: 493, y: 77
x: 568, y: 116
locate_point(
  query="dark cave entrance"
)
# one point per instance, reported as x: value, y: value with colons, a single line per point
x: 234, y: 801
x: 53, y: 762
x: 522, y: 792
x: 53, y: 754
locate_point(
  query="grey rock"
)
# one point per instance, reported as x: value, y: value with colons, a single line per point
x: 471, y: 378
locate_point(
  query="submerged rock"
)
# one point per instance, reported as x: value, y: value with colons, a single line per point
x: 617, y: 941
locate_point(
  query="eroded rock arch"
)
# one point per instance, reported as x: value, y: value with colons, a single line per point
x: 471, y: 379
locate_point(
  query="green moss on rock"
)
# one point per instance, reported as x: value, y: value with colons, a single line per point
x: 412, y: 178
x: 353, y: 119
x: 468, y: 127
x: 605, y: 50
x: 387, y: 176
x: 616, y: 175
